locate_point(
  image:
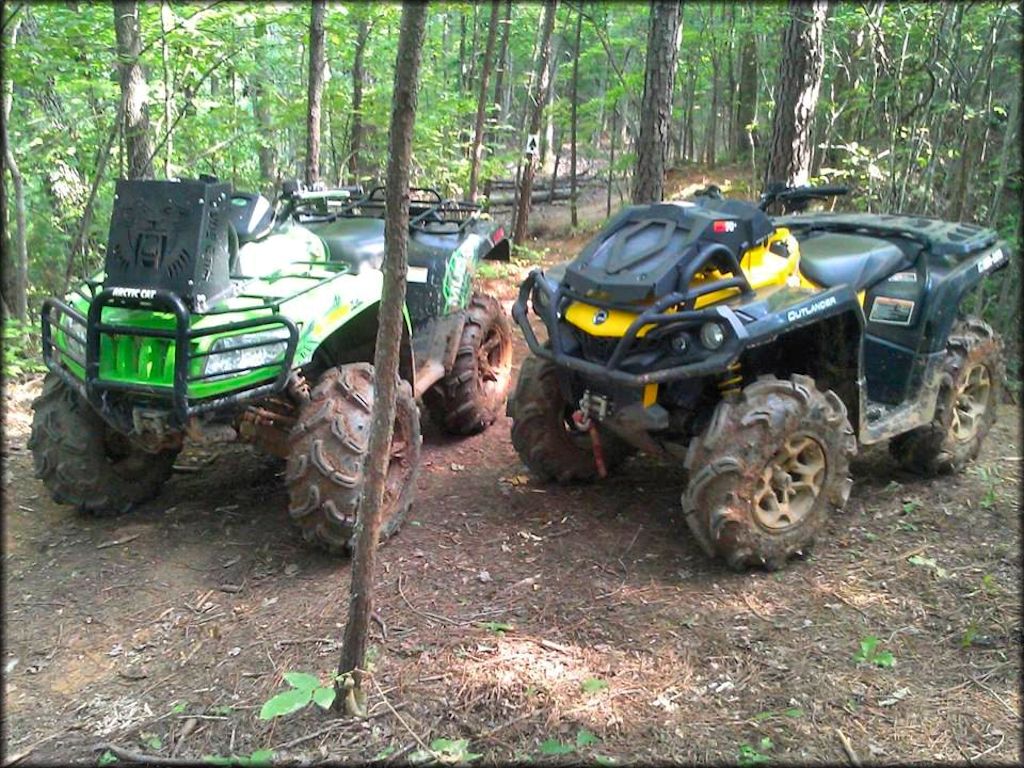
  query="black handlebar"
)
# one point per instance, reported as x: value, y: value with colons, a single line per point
x: 782, y: 193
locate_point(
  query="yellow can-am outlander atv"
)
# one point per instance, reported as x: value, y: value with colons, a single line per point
x: 747, y: 347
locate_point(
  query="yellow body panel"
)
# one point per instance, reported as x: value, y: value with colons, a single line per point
x: 762, y: 266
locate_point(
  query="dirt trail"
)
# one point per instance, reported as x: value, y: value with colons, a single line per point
x: 515, y: 614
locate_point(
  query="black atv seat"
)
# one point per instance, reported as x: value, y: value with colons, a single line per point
x: 358, y: 242
x: 833, y: 258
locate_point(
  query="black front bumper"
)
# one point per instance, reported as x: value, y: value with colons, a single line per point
x: 550, y: 302
x: 176, y: 397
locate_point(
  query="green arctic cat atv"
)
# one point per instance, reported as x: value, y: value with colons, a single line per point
x: 756, y: 352
x: 220, y: 317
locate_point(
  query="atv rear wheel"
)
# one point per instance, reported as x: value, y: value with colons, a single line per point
x: 766, y: 471
x: 327, y: 451
x: 470, y: 397
x: 543, y: 433
x: 972, y: 379
x: 84, y: 462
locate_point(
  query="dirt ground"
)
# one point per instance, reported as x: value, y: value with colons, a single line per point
x: 540, y: 623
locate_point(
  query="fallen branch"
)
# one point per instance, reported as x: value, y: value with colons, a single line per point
x: 139, y: 757
x: 848, y: 748
x: 117, y: 542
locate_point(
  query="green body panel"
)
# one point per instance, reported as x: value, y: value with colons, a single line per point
x: 328, y: 298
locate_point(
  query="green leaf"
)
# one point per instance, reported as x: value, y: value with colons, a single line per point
x: 285, y: 703
x: 302, y: 680
x: 794, y: 712
x: 324, y: 697
x: 261, y: 757
x: 154, y: 742
x: 585, y: 737
x: 555, y: 747
x: 107, y: 758
x: 497, y: 627
x: 605, y: 760
x: 593, y: 685
x: 884, y: 659
x: 386, y: 752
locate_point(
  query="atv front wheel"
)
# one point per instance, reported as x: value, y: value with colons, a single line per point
x: 972, y: 379
x: 84, y: 462
x: 543, y: 433
x: 766, y: 471
x: 327, y: 451
x: 470, y: 397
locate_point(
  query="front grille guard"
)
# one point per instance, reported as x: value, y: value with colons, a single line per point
x: 549, y: 303
x: 94, y: 388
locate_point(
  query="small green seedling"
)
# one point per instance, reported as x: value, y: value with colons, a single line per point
x: 593, y: 685
x: 749, y: 755
x: 305, y: 688
x: 870, y: 654
x: 497, y: 627
x: 258, y: 758
x: 445, y: 752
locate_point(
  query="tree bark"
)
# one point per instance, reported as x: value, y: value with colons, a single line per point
x: 166, y: 24
x: 746, y: 137
x: 137, y: 134
x: 499, y: 76
x: 481, y: 104
x: 800, y: 70
x: 573, y: 123
x: 539, y: 96
x: 389, y: 336
x: 656, y: 113
x: 18, y: 282
x: 358, y: 75
x: 261, y: 111
x: 317, y: 59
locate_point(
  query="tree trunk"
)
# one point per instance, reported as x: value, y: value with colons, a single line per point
x: 356, y: 135
x: 656, y: 114
x: 166, y: 23
x: 611, y: 161
x: 317, y: 60
x: 137, y: 134
x: 17, y: 278
x: 261, y: 111
x: 481, y: 104
x: 800, y: 70
x: 539, y: 96
x: 746, y: 137
x: 499, y: 76
x: 573, y: 123
x: 385, y: 361
x: 711, y: 128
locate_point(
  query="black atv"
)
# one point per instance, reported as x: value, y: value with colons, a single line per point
x: 747, y: 347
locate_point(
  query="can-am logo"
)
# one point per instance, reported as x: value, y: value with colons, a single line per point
x: 798, y: 314
x: 600, y: 317
x: 133, y: 293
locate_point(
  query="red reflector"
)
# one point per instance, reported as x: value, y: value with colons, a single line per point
x: 499, y: 234
x: 720, y: 226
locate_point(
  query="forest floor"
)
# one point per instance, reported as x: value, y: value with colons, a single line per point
x: 540, y: 623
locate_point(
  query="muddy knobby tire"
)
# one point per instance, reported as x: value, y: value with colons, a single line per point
x: 471, y: 396
x: 327, y: 451
x: 541, y: 436
x: 969, y: 391
x: 84, y: 462
x: 741, y: 502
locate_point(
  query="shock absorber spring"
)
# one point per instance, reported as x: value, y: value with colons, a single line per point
x: 731, y: 381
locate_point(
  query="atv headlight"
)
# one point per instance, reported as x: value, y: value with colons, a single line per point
x: 711, y: 335
x: 72, y: 327
x: 261, y: 349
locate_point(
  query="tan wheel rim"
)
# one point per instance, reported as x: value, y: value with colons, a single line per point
x: 790, y: 484
x: 399, y: 466
x: 491, y: 358
x: 971, y: 403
